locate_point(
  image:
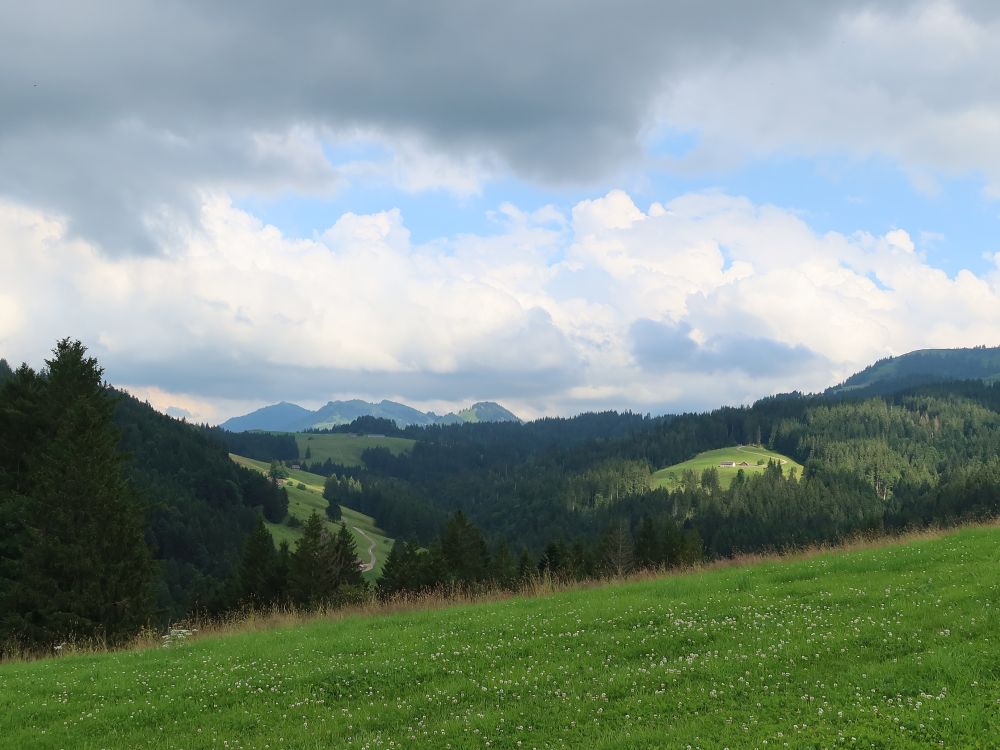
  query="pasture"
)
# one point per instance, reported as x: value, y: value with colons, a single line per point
x: 755, y: 456
x: 889, y: 647
x: 346, y: 449
x: 302, y: 503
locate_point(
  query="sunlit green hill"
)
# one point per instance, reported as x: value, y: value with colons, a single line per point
x: 346, y: 449
x: 750, y: 459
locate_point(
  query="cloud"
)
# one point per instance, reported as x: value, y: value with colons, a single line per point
x: 178, y: 413
x: 120, y: 120
x: 666, y: 347
x: 915, y: 82
x: 239, y: 312
x: 702, y: 300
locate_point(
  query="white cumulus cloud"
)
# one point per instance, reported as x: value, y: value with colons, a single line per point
x: 700, y: 300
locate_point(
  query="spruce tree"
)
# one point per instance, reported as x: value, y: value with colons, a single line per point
x: 554, y: 559
x: 281, y: 565
x: 20, y: 436
x: 465, y: 550
x: 345, y: 554
x: 258, y: 569
x: 504, y: 567
x: 309, y: 583
x: 581, y: 563
x: 525, y: 567
x: 397, y: 571
x: 332, y: 493
x: 648, y: 544
x: 85, y: 568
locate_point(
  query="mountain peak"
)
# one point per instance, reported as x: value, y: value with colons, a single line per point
x: 286, y: 417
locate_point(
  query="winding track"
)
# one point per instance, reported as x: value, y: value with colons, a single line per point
x: 370, y: 565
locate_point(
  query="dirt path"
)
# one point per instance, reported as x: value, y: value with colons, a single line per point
x: 370, y: 565
x: 741, y: 449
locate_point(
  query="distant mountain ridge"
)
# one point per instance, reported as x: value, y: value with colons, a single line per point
x: 286, y: 417
x: 925, y: 366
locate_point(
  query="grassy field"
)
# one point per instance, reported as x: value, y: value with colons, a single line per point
x: 895, y: 647
x: 670, y: 477
x: 345, y: 449
x: 302, y: 503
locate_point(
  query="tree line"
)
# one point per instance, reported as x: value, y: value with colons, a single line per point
x: 322, y: 571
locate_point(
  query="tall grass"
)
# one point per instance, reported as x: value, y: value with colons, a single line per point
x: 251, y: 619
x: 878, y: 643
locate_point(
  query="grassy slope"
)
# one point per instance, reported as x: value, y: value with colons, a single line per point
x: 897, y: 647
x: 670, y: 477
x: 346, y: 449
x: 302, y: 503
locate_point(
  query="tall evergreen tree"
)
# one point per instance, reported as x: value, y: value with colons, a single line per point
x: 21, y: 435
x: 464, y: 549
x: 309, y: 583
x: 345, y: 556
x: 398, y: 570
x: 648, y: 544
x: 259, y: 568
x: 332, y: 495
x: 281, y: 566
x: 84, y: 570
x: 503, y: 570
x: 581, y: 562
x: 525, y: 567
x: 554, y: 559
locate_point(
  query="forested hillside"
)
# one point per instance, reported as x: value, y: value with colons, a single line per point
x: 870, y: 464
x: 111, y: 514
x: 923, y: 367
x: 201, y: 506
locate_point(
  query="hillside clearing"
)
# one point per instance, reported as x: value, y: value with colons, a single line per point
x: 346, y: 449
x: 893, y: 647
x: 303, y: 502
x: 671, y: 476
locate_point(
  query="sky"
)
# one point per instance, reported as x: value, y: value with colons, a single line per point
x: 561, y: 206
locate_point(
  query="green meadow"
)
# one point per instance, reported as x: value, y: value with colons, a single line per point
x: 303, y: 502
x: 889, y: 647
x: 755, y: 456
x: 346, y: 449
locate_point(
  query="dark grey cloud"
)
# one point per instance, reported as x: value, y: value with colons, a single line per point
x: 664, y: 347
x: 113, y: 113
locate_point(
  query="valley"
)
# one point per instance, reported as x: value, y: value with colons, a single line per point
x: 305, y: 497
